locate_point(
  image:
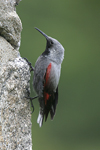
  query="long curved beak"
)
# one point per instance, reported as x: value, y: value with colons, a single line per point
x: 42, y: 33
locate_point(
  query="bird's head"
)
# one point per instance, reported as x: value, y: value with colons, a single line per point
x: 54, y: 50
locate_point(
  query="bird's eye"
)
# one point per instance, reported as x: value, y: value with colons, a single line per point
x: 51, y: 42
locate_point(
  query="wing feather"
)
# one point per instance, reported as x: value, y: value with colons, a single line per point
x: 50, y: 97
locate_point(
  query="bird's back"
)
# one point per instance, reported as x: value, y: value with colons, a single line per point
x: 39, y: 72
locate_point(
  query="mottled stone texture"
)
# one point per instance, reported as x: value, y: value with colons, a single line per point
x: 10, y: 23
x: 15, y: 114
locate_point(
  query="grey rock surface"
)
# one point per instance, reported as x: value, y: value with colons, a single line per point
x: 10, y: 23
x: 7, y: 52
x: 15, y: 113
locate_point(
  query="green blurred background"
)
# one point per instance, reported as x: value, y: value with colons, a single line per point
x: 76, y: 24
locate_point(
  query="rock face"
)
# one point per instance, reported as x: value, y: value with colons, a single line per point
x: 10, y: 23
x: 15, y: 114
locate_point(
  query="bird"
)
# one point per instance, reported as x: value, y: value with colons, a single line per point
x: 46, y: 77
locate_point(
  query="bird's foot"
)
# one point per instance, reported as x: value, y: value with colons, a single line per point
x: 30, y: 65
x: 31, y: 98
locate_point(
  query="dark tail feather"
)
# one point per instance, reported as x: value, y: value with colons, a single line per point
x: 46, y: 115
x: 49, y: 107
x: 53, y: 107
x: 52, y: 113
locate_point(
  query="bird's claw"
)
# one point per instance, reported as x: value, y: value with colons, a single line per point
x: 31, y: 98
x: 31, y: 67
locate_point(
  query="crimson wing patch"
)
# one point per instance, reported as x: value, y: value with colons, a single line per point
x: 46, y: 95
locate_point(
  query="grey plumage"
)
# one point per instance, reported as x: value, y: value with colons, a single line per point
x: 46, y: 77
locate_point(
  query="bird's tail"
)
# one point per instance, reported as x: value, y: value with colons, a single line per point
x: 49, y: 107
x: 41, y: 112
x: 40, y: 119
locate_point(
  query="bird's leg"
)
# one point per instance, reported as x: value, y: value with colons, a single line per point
x: 31, y: 67
x: 31, y: 98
